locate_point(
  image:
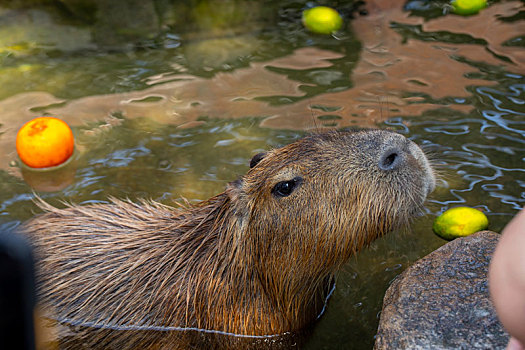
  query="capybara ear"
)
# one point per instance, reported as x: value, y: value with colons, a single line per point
x: 257, y: 158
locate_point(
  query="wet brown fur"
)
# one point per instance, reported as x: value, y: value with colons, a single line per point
x: 245, y: 261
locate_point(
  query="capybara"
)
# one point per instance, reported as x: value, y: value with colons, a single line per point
x: 256, y: 259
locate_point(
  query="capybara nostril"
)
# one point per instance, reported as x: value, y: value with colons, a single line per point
x: 391, y: 159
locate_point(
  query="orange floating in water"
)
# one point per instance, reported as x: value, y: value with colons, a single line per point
x: 44, y: 142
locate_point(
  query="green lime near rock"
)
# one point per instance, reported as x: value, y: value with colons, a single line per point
x: 468, y: 7
x: 322, y: 20
x: 459, y: 222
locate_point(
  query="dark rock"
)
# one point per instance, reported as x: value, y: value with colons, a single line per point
x: 443, y: 302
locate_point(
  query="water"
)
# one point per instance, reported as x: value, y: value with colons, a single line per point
x: 181, y: 114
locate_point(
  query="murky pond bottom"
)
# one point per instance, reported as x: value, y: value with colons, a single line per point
x: 184, y: 119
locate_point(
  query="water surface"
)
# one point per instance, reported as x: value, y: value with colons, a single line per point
x: 183, y: 115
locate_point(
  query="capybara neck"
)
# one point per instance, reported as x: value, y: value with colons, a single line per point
x: 256, y: 259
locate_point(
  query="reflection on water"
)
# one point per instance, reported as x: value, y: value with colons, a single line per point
x: 184, y: 119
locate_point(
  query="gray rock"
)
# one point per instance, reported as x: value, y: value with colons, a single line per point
x: 443, y: 302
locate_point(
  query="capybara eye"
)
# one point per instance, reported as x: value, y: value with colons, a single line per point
x: 285, y: 188
x: 256, y: 159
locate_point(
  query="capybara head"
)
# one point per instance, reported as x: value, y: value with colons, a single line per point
x: 317, y: 201
x: 256, y: 259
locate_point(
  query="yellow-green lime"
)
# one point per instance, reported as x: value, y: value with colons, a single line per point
x: 459, y: 222
x: 322, y: 20
x: 468, y: 7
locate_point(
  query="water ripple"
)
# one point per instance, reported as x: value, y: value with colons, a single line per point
x: 483, y: 153
x: 122, y: 157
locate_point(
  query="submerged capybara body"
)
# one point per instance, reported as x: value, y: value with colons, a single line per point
x: 256, y: 259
